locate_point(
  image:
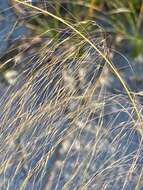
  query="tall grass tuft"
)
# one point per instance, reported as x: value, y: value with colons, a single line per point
x: 61, y: 125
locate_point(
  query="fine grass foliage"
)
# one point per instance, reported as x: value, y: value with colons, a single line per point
x: 61, y: 125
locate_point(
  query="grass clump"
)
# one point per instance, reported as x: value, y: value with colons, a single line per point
x: 61, y: 126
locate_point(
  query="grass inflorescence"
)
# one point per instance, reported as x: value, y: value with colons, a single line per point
x: 62, y: 127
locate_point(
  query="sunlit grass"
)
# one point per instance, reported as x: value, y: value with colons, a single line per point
x: 61, y: 101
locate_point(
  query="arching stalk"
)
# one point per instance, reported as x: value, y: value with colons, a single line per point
x: 112, y: 67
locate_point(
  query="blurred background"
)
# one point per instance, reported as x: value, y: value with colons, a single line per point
x: 122, y: 21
